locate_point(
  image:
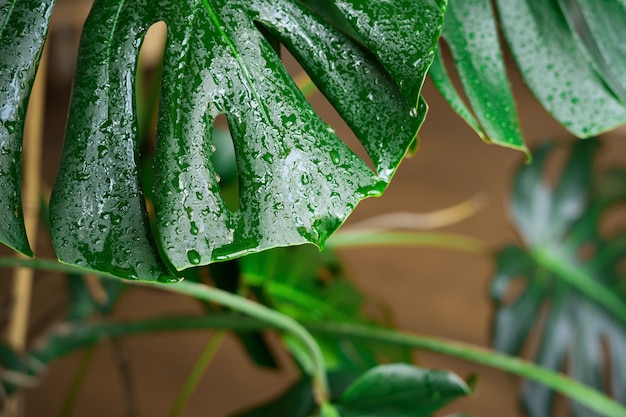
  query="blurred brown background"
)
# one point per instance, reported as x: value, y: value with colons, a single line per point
x: 429, y: 291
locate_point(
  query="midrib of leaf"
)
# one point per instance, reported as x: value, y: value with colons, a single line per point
x: 242, y: 66
x: 7, y: 18
x: 580, y: 279
x: 110, y: 39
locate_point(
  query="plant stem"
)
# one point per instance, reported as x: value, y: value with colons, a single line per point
x: 578, y: 278
x: 264, y: 318
x: 77, y: 382
x: 360, y: 238
x: 265, y: 314
x: 513, y: 365
x: 197, y: 372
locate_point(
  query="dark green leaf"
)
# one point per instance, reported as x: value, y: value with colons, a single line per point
x: 298, y: 400
x: 23, y: 30
x: 310, y: 285
x: 556, y: 69
x: 470, y: 31
x: 297, y: 180
x: 400, y: 390
x: 82, y: 303
x: 570, y: 295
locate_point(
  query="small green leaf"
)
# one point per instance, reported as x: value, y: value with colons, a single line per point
x: 23, y: 30
x: 470, y: 32
x: 571, y: 295
x: 556, y: 69
x: 310, y: 285
x: 400, y: 390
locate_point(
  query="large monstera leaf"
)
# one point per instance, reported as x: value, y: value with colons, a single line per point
x: 23, y: 30
x: 298, y: 181
x: 573, y: 299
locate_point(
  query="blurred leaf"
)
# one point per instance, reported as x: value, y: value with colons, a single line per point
x: 312, y: 286
x: 297, y: 180
x: 572, y: 295
x: 298, y: 401
x: 400, y: 390
x: 556, y: 69
x: 23, y: 30
x: 470, y: 32
x: 82, y: 303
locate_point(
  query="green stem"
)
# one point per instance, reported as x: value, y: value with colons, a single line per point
x: 80, y: 335
x: 205, y: 359
x: 577, y: 277
x: 265, y: 314
x: 516, y: 366
x: 77, y: 382
x: 359, y: 238
x: 209, y: 294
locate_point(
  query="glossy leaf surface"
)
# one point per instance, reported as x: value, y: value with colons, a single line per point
x: 297, y: 180
x: 400, y: 390
x: 556, y: 69
x: 23, y: 30
x: 572, y: 296
x: 470, y: 32
x: 312, y: 286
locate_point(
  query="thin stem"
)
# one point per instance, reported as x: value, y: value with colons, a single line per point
x: 203, y: 362
x: 81, y: 335
x: 77, y: 382
x: 265, y: 314
x: 581, y: 393
x: 583, y: 282
x: 363, y: 238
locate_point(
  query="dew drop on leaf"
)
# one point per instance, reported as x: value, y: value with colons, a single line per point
x: 194, y: 257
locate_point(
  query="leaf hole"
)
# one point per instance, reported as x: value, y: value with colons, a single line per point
x: 586, y: 252
x: 613, y: 220
x: 224, y: 162
x: 323, y: 108
x: 148, y: 82
x: 514, y: 290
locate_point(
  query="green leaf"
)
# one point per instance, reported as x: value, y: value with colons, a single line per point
x: 600, y: 31
x: 556, y: 69
x: 23, y: 30
x: 297, y: 180
x: 82, y: 304
x: 470, y: 32
x: 400, y: 390
x: 571, y: 295
x: 312, y: 286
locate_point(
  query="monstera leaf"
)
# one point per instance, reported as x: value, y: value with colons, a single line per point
x: 23, y: 30
x: 297, y: 180
x: 573, y: 298
x: 312, y: 286
x: 569, y: 52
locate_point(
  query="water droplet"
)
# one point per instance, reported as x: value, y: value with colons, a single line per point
x: 218, y: 178
x: 334, y: 156
x: 199, y: 195
x: 413, y: 112
x: 102, y: 151
x: 330, y: 129
x: 115, y: 219
x: 194, y: 257
x: 213, y: 148
x: 370, y: 96
x: 305, y: 179
x: 193, y: 229
x: 269, y: 158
